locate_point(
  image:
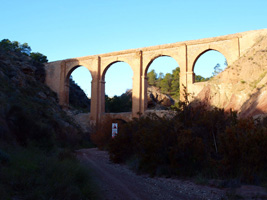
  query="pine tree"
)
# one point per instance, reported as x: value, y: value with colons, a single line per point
x: 152, y: 78
x: 175, y: 84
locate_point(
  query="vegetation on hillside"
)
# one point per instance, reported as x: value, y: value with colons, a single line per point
x: 170, y: 82
x: 77, y: 97
x: 36, y: 136
x: 15, y: 46
x: 118, y: 104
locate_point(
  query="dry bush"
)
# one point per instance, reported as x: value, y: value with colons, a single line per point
x: 198, y: 140
x: 244, y: 151
x: 159, y: 146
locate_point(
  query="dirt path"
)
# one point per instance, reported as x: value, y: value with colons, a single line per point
x: 119, y: 183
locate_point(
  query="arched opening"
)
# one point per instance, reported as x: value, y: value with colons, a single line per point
x: 163, y: 83
x: 79, y: 89
x: 209, y: 64
x: 118, y: 88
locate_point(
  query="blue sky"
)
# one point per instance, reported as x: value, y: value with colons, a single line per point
x: 63, y: 29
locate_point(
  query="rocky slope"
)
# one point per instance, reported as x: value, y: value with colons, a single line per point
x: 242, y: 86
x: 29, y: 110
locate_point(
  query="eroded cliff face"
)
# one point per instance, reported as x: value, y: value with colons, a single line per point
x: 242, y: 86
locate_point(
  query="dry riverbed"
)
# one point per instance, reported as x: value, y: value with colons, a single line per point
x: 117, y: 182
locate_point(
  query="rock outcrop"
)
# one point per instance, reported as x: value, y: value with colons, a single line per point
x: 157, y: 100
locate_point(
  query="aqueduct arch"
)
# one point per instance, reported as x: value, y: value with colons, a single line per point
x: 196, y: 59
x: 102, y: 75
x: 146, y: 70
x: 185, y: 53
x: 66, y: 83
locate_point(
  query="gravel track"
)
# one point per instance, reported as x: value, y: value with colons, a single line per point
x: 117, y: 182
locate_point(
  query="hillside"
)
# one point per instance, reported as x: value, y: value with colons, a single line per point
x: 28, y: 106
x: 37, y: 137
x: 242, y: 86
x: 78, y: 99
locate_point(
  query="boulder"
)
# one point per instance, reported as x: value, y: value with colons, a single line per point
x: 158, y: 100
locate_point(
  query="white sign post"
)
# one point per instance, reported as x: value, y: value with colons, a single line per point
x: 114, y: 129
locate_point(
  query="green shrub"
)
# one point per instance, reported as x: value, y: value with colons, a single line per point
x: 119, y: 104
x: 31, y: 174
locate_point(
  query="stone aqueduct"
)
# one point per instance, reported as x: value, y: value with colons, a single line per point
x: 185, y: 53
